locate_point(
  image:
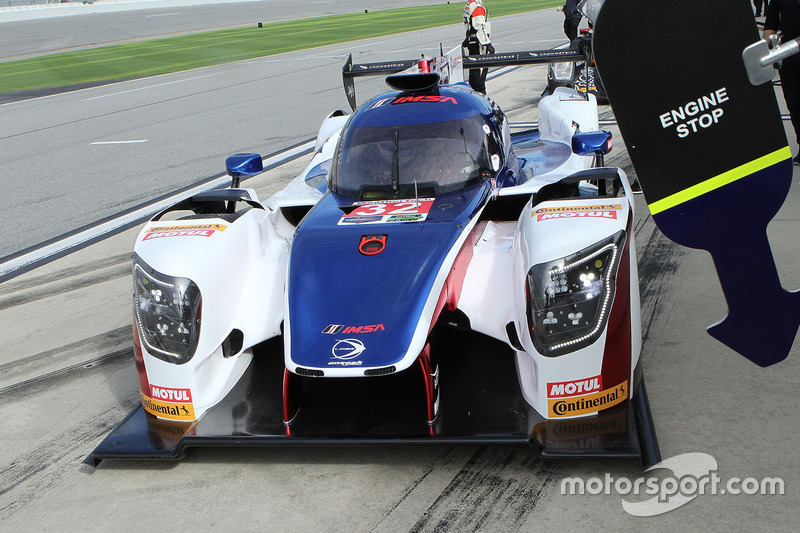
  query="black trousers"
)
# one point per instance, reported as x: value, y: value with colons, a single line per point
x: 790, y: 83
x: 571, y: 28
x: 477, y: 76
x: 759, y: 5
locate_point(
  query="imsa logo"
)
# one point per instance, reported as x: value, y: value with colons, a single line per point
x: 334, y: 329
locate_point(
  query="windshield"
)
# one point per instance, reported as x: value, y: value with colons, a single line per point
x: 402, y: 161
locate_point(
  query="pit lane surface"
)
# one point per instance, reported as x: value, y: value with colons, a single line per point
x: 66, y: 377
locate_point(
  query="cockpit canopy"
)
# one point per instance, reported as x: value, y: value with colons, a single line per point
x: 398, y: 147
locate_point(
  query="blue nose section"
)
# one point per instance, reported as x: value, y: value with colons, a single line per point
x: 357, y: 288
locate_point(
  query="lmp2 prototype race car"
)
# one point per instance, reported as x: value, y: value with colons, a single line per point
x: 430, y: 277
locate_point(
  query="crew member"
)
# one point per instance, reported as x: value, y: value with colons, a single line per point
x: 478, y: 41
x: 783, y: 18
x: 758, y: 4
x: 572, y: 19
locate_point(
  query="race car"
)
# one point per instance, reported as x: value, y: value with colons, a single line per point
x: 431, y: 277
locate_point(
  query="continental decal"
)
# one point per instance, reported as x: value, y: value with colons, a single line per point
x: 590, y: 403
x: 607, y: 211
x: 171, y: 411
x: 195, y: 230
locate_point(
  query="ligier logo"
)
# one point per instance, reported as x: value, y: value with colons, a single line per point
x: 574, y: 388
x: 171, y: 395
x: 346, y: 349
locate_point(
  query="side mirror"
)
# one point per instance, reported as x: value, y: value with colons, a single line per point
x: 592, y: 142
x: 239, y: 165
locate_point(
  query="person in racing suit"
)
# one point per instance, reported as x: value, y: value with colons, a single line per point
x: 783, y: 18
x: 478, y: 40
x: 572, y: 19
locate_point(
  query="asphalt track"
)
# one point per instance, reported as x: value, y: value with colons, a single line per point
x: 104, y: 150
x: 39, y: 29
x: 66, y: 377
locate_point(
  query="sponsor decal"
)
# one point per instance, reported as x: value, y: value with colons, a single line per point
x: 372, y: 244
x: 360, y: 220
x: 554, y: 53
x: 386, y: 211
x: 378, y: 103
x: 195, y: 230
x: 171, y: 411
x: 377, y: 66
x: 346, y: 349
x: 425, y: 98
x: 412, y: 100
x: 579, y: 387
x: 583, y: 82
x: 499, y: 56
x: 171, y: 395
x: 703, y: 113
x: 345, y: 363
x: 587, y: 404
x: 334, y: 329
x: 606, y: 211
x: 405, y: 218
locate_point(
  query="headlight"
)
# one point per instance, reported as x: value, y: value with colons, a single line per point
x: 570, y: 298
x: 167, y: 311
x: 562, y: 72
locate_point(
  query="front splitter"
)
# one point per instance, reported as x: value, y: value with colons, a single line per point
x: 480, y: 403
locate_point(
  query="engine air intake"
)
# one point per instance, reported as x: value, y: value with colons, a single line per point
x: 309, y: 372
x: 380, y: 371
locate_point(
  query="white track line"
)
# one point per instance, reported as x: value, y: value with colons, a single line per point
x: 76, y: 241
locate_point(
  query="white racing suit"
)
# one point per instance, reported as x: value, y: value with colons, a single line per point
x: 478, y: 40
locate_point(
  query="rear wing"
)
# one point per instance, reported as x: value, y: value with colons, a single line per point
x: 450, y: 66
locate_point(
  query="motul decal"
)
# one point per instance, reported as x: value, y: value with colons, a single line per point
x: 590, y: 403
x: 171, y: 395
x: 197, y: 230
x: 579, y: 387
x: 574, y: 211
x: 372, y: 244
x: 611, y: 215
